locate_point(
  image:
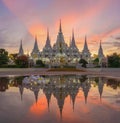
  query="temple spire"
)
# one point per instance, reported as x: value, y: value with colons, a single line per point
x: 47, y: 34
x: 36, y: 95
x: 86, y: 87
x: 60, y: 37
x: 100, y: 52
x: 60, y: 27
x: 85, y: 44
x: 61, y: 114
x: 73, y: 34
x: 48, y: 97
x: 100, y: 87
x: 73, y: 38
x: 73, y: 102
x: 86, y: 55
x: 21, y: 52
x: 21, y: 89
x: 48, y: 39
x: 85, y: 99
x: 35, y: 49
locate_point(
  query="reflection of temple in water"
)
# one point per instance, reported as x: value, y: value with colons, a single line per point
x: 63, y: 86
x: 100, y: 86
x: 60, y: 87
x: 86, y: 87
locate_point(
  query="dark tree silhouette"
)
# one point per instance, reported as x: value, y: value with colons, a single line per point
x: 3, y: 57
x: 114, y: 60
x: 83, y: 62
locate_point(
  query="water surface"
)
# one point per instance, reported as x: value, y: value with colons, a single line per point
x: 62, y: 99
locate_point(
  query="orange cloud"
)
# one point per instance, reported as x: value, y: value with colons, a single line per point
x: 111, y: 32
x: 77, y: 14
x: 39, y: 31
x: 31, y: 20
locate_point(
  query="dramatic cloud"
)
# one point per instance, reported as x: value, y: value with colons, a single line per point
x: 117, y: 38
x: 23, y: 19
x: 117, y: 44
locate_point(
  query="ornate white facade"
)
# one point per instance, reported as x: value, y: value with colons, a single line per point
x: 60, y: 53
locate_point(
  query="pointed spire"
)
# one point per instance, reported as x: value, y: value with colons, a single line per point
x: 48, y: 39
x: 100, y: 48
x: 47, y: 44
x: 48, y: 102
x: 21, y: 89
x: 86, y: 99
x: 48, y: 97
x: 60, y: 27
x: 100, y: 97
x: 73, y: 38
x: 100, y: 52
x: 100, y: 43
x: 86, y: 87
x: 36, y: 40
x: 73, y: 34
x: 36, y: 95
x: 47, y: 34
x: 100, y: 87
x: 73, y: 102
x: 85, y: 52
x: 85, y: 44
x: 86, y: 94
x: 35, y: 49
x: 73, y: 95
x: 60, y: 36
x: 61, y: 114
x: 21, y: 52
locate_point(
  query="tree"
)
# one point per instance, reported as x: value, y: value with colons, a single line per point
x: 3, y: 57
x: 95, y: 56
x: 83, y: 62
x: 40, y: 63
x: 22, y: 61
x: 96, y: 61
x: 114, y: 60
x: 13, y: 56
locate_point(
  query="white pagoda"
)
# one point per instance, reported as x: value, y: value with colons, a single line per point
x: 61, y: 54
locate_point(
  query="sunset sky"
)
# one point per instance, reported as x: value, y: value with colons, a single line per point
x: 23, y: 19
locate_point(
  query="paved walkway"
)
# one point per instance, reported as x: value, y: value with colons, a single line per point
x: 108, y: 72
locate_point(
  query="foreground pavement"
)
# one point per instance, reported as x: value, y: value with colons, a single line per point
x: 107, y: 72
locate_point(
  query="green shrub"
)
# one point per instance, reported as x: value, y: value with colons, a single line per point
x: 39, y: 63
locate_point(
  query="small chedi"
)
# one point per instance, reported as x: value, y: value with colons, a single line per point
x: 61, y: 54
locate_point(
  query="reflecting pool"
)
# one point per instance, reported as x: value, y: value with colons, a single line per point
x: 60, y: 99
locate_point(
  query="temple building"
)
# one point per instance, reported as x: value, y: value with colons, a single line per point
x: 86, y: 55
x: 35, y: 54
x: 62, y: 54
x: 101, y: 57
x: 21, y: 51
